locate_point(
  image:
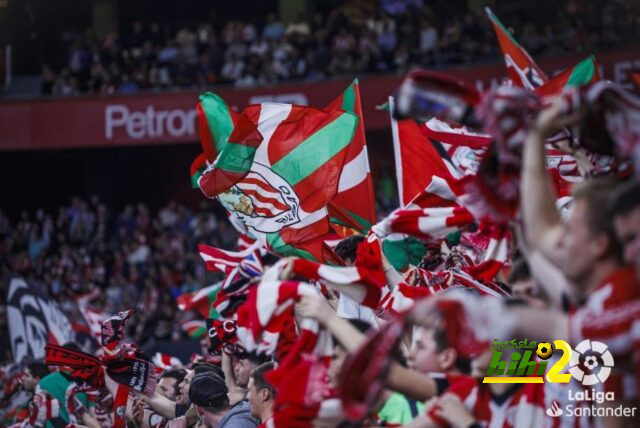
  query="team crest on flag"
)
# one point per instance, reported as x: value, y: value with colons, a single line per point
x: 263, y: 200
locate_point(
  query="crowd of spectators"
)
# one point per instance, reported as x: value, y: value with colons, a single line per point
x: 154, y: 56
x: 133, y: 258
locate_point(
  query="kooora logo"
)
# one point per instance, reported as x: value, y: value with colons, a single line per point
x: 554, y: 410
x: 591, y: 362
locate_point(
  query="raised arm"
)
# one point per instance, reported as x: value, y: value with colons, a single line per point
x: 414, y: 384
x: 542, y: 222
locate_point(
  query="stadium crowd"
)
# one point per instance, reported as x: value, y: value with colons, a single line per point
x: 154, y: 56
x: 133, y: 257
x: 530, y: 239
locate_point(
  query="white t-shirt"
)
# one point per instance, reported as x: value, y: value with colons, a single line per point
x: 349, y: 308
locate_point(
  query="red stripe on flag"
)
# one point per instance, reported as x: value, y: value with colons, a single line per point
x: 265, y: 199
x: 301, y: 123
x: 206, y: 140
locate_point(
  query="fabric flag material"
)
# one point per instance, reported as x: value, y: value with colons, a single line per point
x: 34, y: 321
x: 215, y: 124
x: 522, y: 70
x: 279, y: 171
x: 195, y: 329
x: 354, y: 204
x: 217, y: 259
x: 201, y: 301
x: 93, y: 317
x: 403, y: 250
x: 244, y: 242
x: 362, y: 282
x: 198, y: 166
x: 417, y: 159
x: 165, y: 361
x: 426, y: 223
x: 401, y: 298
x: 272, y: 301
x: 112, y: 329
x: 301, y: 379
x: 581, y: 74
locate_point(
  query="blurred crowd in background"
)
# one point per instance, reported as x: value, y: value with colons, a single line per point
x: 150, y: 55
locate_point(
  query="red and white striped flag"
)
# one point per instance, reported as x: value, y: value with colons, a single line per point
x: 425, y: 223
x: 301, y: 379
x: 92, y: 316
x: 217, y: 259
x: 165, y: 361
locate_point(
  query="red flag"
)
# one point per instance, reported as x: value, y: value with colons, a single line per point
x: 354, y: 205
x: 523, y: 71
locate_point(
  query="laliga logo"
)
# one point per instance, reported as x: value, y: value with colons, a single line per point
x: 595, y: 358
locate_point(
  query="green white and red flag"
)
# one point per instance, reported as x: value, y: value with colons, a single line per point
x: 195, y: 329
x: 583, y: 73
x: 354, y: 204
x: 216, y: 121
x: 200, y: 301
x: 522, y: 69
x: 419, y: 161
x: 278, y: 172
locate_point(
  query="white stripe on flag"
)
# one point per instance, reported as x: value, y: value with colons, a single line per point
x: 252, y: 186
x: 354, y: 172
x: 397, y: 153
x: 271, y: 115
x: 342, y: 275
x: 204, y: 293
x: 310, y: 218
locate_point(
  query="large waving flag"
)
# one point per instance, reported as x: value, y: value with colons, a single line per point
x: 583, y: 73
x: 200, y: 301
x: 522, y: 70
x: 417, y: 159
x: 216, y: 121
x: 278, y: 172
x: 354, y: 205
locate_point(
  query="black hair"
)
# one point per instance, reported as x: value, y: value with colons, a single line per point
x: 177, y: 374
x: 257, y: 359
x: 519, y: 271
x: 38, y: 369
x: 258, y: 378
x: 626, y: 199
x: 440, y: 338
x: 348, y: 248
x: 203, y: 367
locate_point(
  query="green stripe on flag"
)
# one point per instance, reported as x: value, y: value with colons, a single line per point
x: 338, y: 221
x: 198, y: 333
x: 218, y: 118
x: 279, y: 246
x: 403, y: 252
x: 196, y: 176
x: 366, y: 225
x: 236, y: 158
x: 349, y: 97
x: 583, y: 72
x: 316, y: 150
